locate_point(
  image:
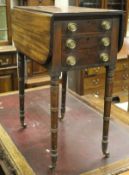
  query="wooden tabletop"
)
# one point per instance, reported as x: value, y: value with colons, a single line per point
x: 69, y: 9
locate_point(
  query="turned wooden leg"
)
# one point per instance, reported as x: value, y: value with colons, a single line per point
x: 54, y: 119
x: 21, y: 67
x: 63, y: 100
x: 107, y: 108
x: 128, y: 87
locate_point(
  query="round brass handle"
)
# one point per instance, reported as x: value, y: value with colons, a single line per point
x: 125, y: 76
x: 5, y: 62
x: 124, y: 88
x: 96, y: 81
x: 71, y: 44
x: 72, y: 27
x: 104, y: 57
x: 71, y: 60
x: 105, y: 41
x: 106, y: 25
x: 97, y: 93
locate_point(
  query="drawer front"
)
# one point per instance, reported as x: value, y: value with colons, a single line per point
x: 94, y: 71
x: 85, y: 26
x: 86, y: 47
x: 94, y: 82
x: 8, y: 80
x: 40, y: 2
x: 120, y: 78
x: 97, y: 91
x: 122, y: 64
x: 7, y: 60
x: 86, y: 43
x: 100, y: 91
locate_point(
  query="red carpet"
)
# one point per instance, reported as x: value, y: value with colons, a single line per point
x: 79, y: 134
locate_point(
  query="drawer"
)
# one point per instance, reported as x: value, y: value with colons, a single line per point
x: 86, y: 42
x: 85, y: 48
x: 95, y: 91
x: 122, y: 64
x: 7, y: 60
x: 120, y: 87
x: 94, y: 82
x: 40, y: 2
x: 79, y: 59
x: 83, y: 42
x: 100, y: 91
x: 8, y: 80
x: 86, y: 26
x: 98, y: 81
x: 94, y: 71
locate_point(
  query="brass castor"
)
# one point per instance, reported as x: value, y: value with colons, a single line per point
x: 62, y: 116
x: 105, y: 148
x: 23, y: 124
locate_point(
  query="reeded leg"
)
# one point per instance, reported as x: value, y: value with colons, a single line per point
x: 54, y: 119
x: 128, y: 88
x: 107, y: 108
x: 21, y: 67
x: 63, y: 100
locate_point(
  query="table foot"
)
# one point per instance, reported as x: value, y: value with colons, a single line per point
x: 105, y: 148
x: 62, y: 116
x: 107, y: 108
x: 22, y: 120
x: 52, y: 167
x: 53, y: 160
x: 23, y: 124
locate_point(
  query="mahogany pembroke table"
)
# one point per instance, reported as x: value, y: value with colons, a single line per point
x: 64, y: 39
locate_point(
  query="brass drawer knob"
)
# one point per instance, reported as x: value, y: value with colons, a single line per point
x: 124, y: 88
x: 71, y: 60
x: 105, y: 41
x: 125, y: 76
x: 5, y: 62
x: 96, y: 81
x: 104, y: 57
x: 72, y: 27
x: 71, y: 44
x: 106, y: 25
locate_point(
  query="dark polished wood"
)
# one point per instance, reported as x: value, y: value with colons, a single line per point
x: 54, y: 118
x: 64, y: 88
x: 71, y: 39
x: 107, y: 107
x: 107, y: 4
x: 21, y: 68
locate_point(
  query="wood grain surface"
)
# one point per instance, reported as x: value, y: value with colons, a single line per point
x: 31, y: 34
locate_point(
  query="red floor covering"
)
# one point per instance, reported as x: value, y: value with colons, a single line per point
x: 79, y: 134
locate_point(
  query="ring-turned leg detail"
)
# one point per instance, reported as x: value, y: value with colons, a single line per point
x: 54, y: 119
x: 21, y: 68
x: 63, y: 100
x: 107, y: 108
